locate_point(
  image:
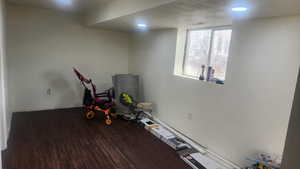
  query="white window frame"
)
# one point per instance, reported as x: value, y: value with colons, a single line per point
x: 187, y: 41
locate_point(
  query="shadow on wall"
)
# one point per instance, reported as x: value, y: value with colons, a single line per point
x: 66, y: 89
x: 141, y: 88
x: 142, y: 96
x: 63, y: 94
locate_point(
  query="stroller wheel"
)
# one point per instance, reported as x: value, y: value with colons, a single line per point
x: 108, y: 121
x: 90, y: 115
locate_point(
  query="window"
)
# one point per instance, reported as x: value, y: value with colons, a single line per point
x: 206, y: 54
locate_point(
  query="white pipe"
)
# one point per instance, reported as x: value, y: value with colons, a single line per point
x: 202, y: 149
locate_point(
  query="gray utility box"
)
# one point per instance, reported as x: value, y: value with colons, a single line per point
x: 126, y: 83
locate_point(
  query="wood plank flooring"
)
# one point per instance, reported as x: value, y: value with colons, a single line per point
x: 63, y: 139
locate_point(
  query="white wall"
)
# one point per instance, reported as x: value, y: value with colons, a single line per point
x: 5, y: 116
x: 2, y: 112
x: 247, y: 115
x: 42, y: 48
x: 292, y: 147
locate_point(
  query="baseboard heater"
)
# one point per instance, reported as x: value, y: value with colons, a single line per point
x: 197, y: 158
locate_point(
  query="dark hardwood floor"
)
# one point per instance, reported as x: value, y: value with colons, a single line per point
x: 63, y: 139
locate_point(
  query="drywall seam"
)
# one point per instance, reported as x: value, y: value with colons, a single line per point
x: 120, y: 8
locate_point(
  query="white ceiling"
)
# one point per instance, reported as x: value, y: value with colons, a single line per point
x: 76, y: 5
x: 189, y: 13
x: 179, y: 13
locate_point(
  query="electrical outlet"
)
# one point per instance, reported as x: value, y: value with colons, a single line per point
x: 190, y: 116
x: 49, y: 91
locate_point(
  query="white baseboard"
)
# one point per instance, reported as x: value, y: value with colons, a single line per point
x: 4, y: 146
x: 202, y: 149
x: 0, y: 160
x: 8, y: 129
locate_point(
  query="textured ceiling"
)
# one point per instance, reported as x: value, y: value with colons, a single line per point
x: 75, y: 6
x: 177, y: 14
x: 189, y: 13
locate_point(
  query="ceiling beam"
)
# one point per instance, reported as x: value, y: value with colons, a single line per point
x: 119, y: 8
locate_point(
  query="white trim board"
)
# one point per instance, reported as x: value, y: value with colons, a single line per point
x: 0, y: 160
x: 204, y: 150
x: 7, y: 133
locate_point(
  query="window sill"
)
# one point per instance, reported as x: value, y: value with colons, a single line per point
x: 186, y: 76
x: 195, y: 78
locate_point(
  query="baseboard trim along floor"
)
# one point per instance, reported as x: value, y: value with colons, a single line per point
x: 207, y: 153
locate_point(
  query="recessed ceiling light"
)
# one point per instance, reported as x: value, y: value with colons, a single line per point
x: 64, y: 3
x: 239, y: 9
x: 142, y: 25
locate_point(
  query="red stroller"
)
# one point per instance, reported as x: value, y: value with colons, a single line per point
x: 96, y: 102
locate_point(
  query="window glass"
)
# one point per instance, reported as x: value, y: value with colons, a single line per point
x: 198, y: 44
x: 219, y: 52
x: 207, y: 53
